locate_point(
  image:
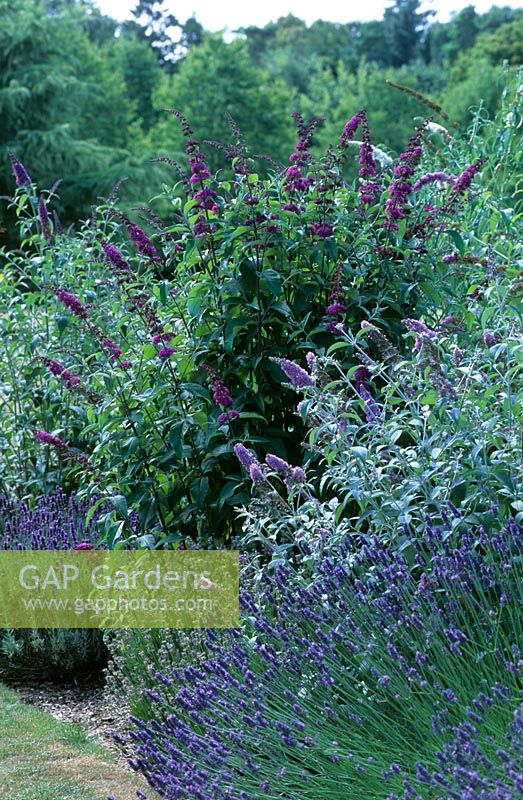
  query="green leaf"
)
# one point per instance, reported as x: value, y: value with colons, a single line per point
x: 199, y: 491
x: 271, y: 281
x: 429, y: 398
x: 62, y: 323
x: 149, y: 351
x: 457, y: 239
x: 120, y: 504
x: 92, y: 509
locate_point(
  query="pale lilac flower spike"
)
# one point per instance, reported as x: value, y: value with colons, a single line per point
x: 298, y: 475
x: 256, y: 473
x: 418, y: 327
x: 244, y: 456
x: 296, y: 375
x: 277, y: 464
x: 311, y: 360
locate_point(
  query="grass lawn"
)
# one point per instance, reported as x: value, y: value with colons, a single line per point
x: 44, y: 759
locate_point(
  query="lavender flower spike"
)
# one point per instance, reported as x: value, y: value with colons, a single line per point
x: 296, y: 375
x: 298, y: 475
x: 433, y: 177
x: 372, y: 409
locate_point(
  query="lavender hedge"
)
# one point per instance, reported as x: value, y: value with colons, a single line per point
x: 389, y: 679
x: 55, y: 522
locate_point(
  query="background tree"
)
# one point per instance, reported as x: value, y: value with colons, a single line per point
x: 168, y: 37
x: 404, y: 31
x: 479, y: 72
x: 139, y: 68
x: 65, y: 110
x: 390, y: 112
x: 217, y: 77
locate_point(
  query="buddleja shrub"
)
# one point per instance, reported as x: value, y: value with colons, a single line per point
x: 169, y: 348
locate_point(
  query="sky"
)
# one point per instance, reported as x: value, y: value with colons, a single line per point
x: 216, y: 15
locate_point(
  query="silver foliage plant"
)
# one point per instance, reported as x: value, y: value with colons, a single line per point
x: 431, y: 432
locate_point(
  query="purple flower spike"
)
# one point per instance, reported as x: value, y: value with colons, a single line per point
x: 72, y: 303
x: 70, y: 380
x: 337, y: 303
x: 298, y: 475
x: 43, y: 218
x: 277, y: 464
x: 361, y: 377
x: 321, y: 229
x: 419, y: 327
x: 111, y: 349
x: 400, y: 188
x: 47, y: 438
x: 166, y: 352
x: 43, y: 437
x: 228, y: 416
x: 142, y: 241
x: 296, y: 375
x: 369, y: 188
x: 165, y: 336
x: 200, y: 228
x: 372, y: 409
x: 257, y: 475
x: 83, y: 546
x: 350, y: 128
x: 335, y: 308
x: 244, y: 456
x: 467, y: 176
x: 490, y: 338
x: 221, y: 394
x: 433, y: 177
x: 311, y: 360
x: 220, y: 391
x: 115, y: 257
x: 19, y: 171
